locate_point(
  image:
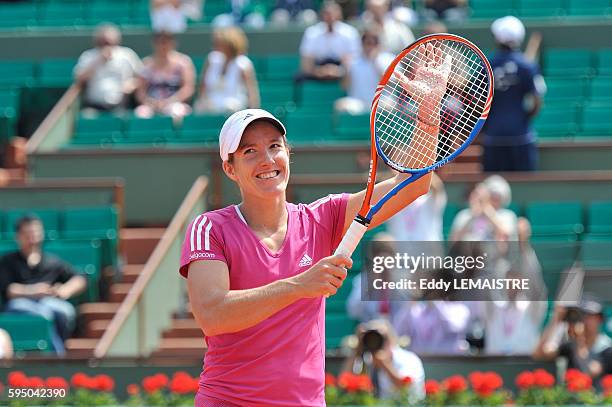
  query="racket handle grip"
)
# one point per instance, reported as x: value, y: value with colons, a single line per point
x: 351, y: 238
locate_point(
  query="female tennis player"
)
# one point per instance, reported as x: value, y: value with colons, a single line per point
x: 258, y: 272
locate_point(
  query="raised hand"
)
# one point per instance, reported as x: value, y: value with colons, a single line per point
x: 431, y: 71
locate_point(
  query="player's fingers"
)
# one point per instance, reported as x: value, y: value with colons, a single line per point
x: 338, y: 272
x: 330, y: 289
x: 341, y: 260
x: 421, y: 56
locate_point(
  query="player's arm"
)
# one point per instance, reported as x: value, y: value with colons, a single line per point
x: 403, y: 198
x: 220, y: 310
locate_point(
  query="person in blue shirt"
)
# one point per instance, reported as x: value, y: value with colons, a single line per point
x: 509, y: 141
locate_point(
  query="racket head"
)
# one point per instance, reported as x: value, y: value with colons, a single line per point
x: 464, y: 107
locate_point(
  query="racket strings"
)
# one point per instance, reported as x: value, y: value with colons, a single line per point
x: 399, y: 136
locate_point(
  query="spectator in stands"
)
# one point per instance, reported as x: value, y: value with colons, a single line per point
x: 293, y: 11
x: 364, y: 73
x: 422, y: 219
x: 512, y: 324
x: 434, y: 327
x: 228, y: 81
x: 434, y: 27
x: 486, y: 219
x: 107, y: 72
x: 452, y: 11
x: 574, y: 333
x: 6, y: 345
x: 382, y: 244
x: 328, y: 47
x: 167, y: 81
x: 394, y: 35
x: 249, y: 13
x: 168, y: 16
x: 509, y: 141
x: 35, y: 282
x: 379, y: 354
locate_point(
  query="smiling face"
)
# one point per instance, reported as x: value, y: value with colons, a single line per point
x: 260, y: 165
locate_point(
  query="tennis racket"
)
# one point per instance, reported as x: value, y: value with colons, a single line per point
x: 428, y: 107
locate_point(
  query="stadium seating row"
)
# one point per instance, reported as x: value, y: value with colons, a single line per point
x: 489, y: 9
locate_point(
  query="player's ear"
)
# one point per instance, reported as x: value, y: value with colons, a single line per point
x: 228, y: 168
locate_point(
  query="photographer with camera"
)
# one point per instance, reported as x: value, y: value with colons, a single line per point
x: 574, y: 333
x: 378, y: 354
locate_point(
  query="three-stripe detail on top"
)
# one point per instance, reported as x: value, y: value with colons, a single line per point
x: 201, y: 222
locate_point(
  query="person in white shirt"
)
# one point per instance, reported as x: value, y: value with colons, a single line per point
x: 394, y: 35
x: 168, y: 16
x: 328, y: 47
x: 422, y: 219
x: 363, y: 75
x: 228, y: 80
x: 486, y: 219
x: 379, y: 354
x: 107, y: 72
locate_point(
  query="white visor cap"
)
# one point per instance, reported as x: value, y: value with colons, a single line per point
x: 508, y: 30
x: 234, y: 126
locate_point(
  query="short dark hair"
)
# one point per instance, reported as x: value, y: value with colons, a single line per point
x: 26, y: 220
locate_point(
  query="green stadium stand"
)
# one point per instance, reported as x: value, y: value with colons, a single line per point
x: 281, y: 67
x: 352, y: 127
x: 337, y: 326
x: 555, y: 218
x: 108, y: 11
x: 18, y: 15
x: 94, y: 222
x: 541, y: 8
x: 55, y: 72
x: 86, y: 257
x: 596, y: 122
x: 62, y: 15
x: 601, y: 91
x: 49, y: 218
x: 589, y: 8
x: 599, y: 218
x: 103, y: 130
x: 557, y: 122
x: 564, y: 93
x: 7, y: 246
x: 9, y: 108
x: 276, y: 95
x: 308, y: 127
x: 450, y: 211
x: 596, y: 253
x: 555, y: 257
x: 28, y: 332
x: 154, y: 131
x: 214, y: 8
x: 568, y: 62
x: 490, y: 9
x: 202, y: 129
x: 319, y: 97
x: 140, y: 13
x: 604, y: 61
x: 16, y: 73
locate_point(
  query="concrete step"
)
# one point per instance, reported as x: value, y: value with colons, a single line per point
x: 95, y: 329
x: 118, y: 292
x: 138, y: 243
x: 183, y: 328
x: 80, y: 347
x: 97, y: 310
x: 181, y: 346
x: 130, y: 272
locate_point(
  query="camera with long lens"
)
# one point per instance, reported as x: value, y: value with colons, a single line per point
x: 373, y: 340
x: 573, y: 315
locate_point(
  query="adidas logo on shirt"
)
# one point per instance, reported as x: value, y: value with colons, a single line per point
x: 305, y: 261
